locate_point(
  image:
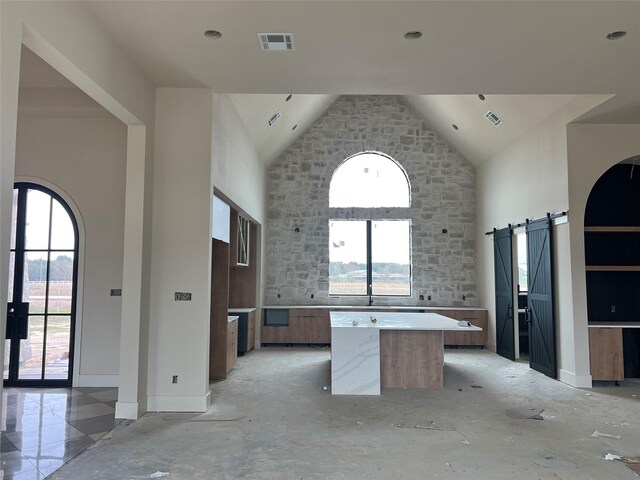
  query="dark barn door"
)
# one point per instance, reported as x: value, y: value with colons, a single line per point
x: 503, y: 267
x: 542, y: 337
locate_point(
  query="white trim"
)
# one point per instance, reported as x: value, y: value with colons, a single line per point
x: 179, y: 403
x: 77, y: 345
x: 128, y: 410
x: 96, y: 380
x: 578, y: 381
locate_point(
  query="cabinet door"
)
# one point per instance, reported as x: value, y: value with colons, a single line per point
x: 251, y: 330
x: 309, y: 326
x: 275, y: 334
x: 606, y: 355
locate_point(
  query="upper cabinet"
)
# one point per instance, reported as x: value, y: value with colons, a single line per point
x: 239, y: 241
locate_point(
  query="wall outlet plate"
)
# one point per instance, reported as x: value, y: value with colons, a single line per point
x: 183, y: 296
x: 116, y: 292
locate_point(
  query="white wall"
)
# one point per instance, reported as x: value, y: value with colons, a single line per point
x: 69, y: 37
x: 526, y: 180
x: 86, y: 159
x: 237, y: 170
x: 181, y: 251
x: 592, y: 150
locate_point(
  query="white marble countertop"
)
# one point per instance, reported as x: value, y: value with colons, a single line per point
x: 232, y: 318
x: 373, y: 307
x: 398, y: 321
x: 241, y: 310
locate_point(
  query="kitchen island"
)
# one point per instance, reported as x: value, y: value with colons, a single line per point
x: 370, y: 350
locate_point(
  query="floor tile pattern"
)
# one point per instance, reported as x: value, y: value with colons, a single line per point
x: 42, y: 429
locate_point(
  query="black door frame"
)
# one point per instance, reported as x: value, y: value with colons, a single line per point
x: 17, y: 311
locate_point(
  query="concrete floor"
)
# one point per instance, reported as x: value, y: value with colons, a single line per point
x: 272, y: 419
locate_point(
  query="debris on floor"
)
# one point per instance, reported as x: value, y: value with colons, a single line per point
x: 632, y: 462
x: 477, y: 386
x: 159, y: 474
x: 431, y: 426
x: 598, y: 434
x: 526, y: 413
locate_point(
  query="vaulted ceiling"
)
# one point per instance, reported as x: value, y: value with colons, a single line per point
x: 529, y: 58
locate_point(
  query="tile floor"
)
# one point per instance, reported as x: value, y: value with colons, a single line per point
x: 42, y: 429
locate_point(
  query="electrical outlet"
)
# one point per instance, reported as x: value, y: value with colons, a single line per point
x: 183, y: 296
x: 464, y: 297
x: 428, y: 297
x: 421, y: 297
x: 613, y: 309
x: 116, y: 292
x: 174, y: 379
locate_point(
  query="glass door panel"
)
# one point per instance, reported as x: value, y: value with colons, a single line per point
x: 58, y: 342
x: 60, y: 283
x: 62, y: 235
x: 34, y: 283
x: 31, y: 350
x: 7, y: 356
x: 37, y: 221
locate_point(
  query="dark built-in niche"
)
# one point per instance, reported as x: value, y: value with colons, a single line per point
x: 612, y: 256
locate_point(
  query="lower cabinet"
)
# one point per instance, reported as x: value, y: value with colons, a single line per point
x: 232, y: 344
x: 606, y: 354
x: 477, y: 318
x: 313, y: 326
x: 246, y: 329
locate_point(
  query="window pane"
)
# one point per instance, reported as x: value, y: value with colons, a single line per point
x: 62, y: 235
x: 347, y: 257
x: 31, y: 350
x: 14, y: 218
x: 58, y: 341
x: 391, y: 257
x: 60, y: 282
x: 369, y: 180
x: 7, y: 355
x: 37, y: 228
x: 12, y: 269
x: 34, y: 287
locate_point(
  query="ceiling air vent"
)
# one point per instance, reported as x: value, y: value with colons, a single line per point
x: 276, y: 42
x: 275, y: 118
x: 493, y: 118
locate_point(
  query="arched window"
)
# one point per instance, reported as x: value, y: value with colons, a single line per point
x: 369, y: 180
x: 370, y: 256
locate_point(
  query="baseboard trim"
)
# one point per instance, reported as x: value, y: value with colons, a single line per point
x: 128, y: 410
x: 179, y: 403
x: 578, y: 381
x: 98, y: 381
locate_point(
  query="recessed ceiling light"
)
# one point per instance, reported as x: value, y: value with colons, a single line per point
x: 288, y: 98
x: 481, y: 97
x: 616, y: 35
x: 294, y: 127
x: 413, y: 35
x: 455, y: 127
x: 215, y: 34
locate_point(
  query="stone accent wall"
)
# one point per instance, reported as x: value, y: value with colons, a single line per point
x: 442, y: 197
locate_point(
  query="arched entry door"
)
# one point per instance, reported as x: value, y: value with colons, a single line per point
x: 43, y: 272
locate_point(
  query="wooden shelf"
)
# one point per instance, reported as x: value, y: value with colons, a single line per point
x: 631, y: 229
x: 613, y: 268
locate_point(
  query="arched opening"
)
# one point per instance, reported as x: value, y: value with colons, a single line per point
x: 612, y: 259
x: 369, y: 180
x: 43, y: 271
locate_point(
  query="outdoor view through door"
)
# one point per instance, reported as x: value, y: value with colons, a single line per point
x: 369, y: 254
x: 42, y: 286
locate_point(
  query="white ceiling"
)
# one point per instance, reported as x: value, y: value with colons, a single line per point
x: 507, y: 50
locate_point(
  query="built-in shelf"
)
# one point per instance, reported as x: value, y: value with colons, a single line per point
x: 630, y: 229
x: 613, y: 268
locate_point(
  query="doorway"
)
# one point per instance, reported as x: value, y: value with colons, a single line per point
x: 43, y: 271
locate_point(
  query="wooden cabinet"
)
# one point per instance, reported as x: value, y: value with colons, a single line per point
x: 606, y: 355
x: 232, y: 344
x: 309, y: 326
x: 313, y: 326
x: 477, y: 318
x: 246, y: 328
